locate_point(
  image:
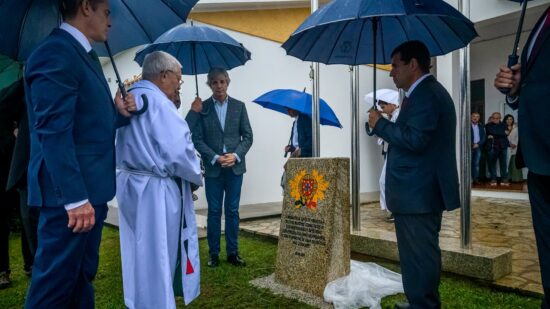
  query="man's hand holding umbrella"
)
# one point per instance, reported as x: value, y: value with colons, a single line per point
x: 374, y: 116
x: 509, y: 78
x: 125, y: 105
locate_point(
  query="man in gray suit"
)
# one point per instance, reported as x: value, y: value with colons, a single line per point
x: 222, y: 135
x: 421, y: 173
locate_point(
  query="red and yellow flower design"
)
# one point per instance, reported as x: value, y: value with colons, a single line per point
x: 308, y: 189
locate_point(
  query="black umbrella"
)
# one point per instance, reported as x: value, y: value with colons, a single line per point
x: 513, y: 57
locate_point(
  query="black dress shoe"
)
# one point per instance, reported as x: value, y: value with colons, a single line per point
x: 28, y: 271
x: 402, y: 306
x: 214, y: 261
x: 5, y: 279
x: 236, y: 260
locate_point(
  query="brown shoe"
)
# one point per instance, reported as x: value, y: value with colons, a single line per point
x: 5, y: 279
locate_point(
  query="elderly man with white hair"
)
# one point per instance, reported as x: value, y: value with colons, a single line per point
x: 388, y: 103
x: 156, y: 163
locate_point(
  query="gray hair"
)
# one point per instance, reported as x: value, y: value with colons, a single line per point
x: 215, y: 72
x: 158, y: 62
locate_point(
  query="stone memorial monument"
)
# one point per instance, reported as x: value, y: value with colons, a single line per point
x: 314, y: 238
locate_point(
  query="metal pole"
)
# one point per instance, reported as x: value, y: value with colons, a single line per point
x: 355, y: 167
x: 465, y: 140
x: 315, y: 110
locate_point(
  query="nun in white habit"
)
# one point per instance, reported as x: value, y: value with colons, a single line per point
x: 388, y: 103
x: 156, y: 162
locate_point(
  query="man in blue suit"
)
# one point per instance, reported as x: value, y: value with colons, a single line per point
x: 478, y: 140
x: 528, y: 83
x: 71, y: 173
x: 421, y: 174
x: 222, y: 135
x: 300, y: 142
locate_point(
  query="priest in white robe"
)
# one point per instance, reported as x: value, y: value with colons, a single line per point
x: 156, y: 162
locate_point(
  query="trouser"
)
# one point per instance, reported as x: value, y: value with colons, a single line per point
x: 539, y: 196
x: 65, y: 263
x: 501, y: 157
x: 476, y: 156
x: 420, y: 257
x: 224, y: 189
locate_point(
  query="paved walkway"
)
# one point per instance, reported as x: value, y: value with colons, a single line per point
x: 496, y: 222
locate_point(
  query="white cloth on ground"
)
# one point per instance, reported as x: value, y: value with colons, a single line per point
x: 151, y: 151
x: 365, y: 286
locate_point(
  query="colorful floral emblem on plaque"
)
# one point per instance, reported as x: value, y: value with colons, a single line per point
x: 308, y: 189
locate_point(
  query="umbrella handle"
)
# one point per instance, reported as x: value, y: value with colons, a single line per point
x: 514, y: 58
x: 193, y: 53
x: 120, y: 84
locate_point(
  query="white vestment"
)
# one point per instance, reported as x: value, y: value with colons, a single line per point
x: 382, y: 180
x: 151, y: 153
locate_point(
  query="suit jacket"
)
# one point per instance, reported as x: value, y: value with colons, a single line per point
x: 482, y: 135
x: 72, y: 122
x: 304, y: 135
x: 192, y: 119
x: 421, y: 169
x: 533, y: 115
x: 209, y: 137
x: 500, y: 138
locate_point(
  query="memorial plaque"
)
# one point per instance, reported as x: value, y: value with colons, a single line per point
x: 314, y: 236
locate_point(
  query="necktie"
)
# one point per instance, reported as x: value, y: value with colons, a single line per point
x: 95, y: 59
x: 404, y: 103
x: 538, y: 40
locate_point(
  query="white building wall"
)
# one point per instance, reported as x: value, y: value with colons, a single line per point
x: 270, y: 69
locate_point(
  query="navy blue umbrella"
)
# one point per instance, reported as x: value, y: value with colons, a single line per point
x: 282, y: 99
x: 198, y: 48
x: 357, y: 32
x: 25, y: 23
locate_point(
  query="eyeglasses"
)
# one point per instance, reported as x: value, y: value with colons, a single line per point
x: 180, y: 80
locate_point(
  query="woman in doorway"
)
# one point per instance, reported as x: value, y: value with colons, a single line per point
x: 514, y: 174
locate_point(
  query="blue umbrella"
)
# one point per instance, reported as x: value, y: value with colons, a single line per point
x: 282, y: 99
x: 198, y: 48
x: 25, y: 23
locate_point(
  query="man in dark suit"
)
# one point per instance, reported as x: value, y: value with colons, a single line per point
x: 478, y: 140
x: 17, y: 178
x: 299, y: 144
x: 71, y: 173
x: 528, y: 83
x: 222, y: 136
x: 421, y: 174
x: 8, y: 198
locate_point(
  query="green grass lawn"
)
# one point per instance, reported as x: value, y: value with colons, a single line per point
x: 228, y: 287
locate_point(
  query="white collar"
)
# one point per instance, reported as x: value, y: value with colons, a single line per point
x: 418, y: 81
x: 77, y: 35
